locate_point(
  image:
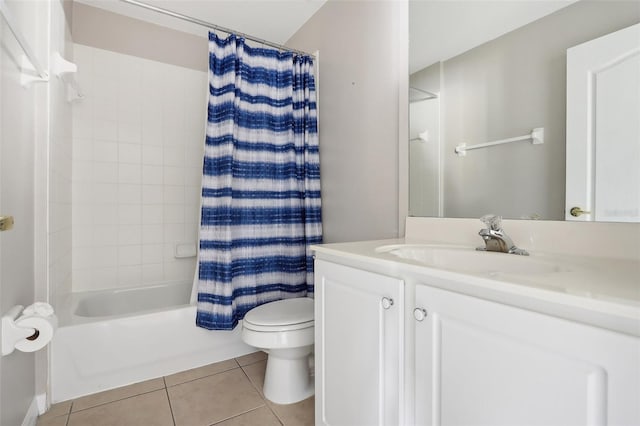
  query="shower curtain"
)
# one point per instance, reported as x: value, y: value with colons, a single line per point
x: 261, y: 181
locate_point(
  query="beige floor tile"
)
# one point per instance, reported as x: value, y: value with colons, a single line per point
x: 255, y: 372
x: 299, y: 414
x: 213, y: 399
x: 198, y: 373
x: 150, y: 409
x: 259, y: 417
x: 117, y: 394
x: 56, y: 410
x: 251, y: 358
x: 54, y: 421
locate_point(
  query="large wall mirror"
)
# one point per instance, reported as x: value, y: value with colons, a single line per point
x: 517, y: 88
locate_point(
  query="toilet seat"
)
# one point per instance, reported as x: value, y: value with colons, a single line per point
x: 281, y: 315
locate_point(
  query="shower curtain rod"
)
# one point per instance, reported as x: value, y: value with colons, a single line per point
x: 214, y: 27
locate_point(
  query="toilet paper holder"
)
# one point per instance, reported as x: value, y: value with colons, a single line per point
x: 13, y: 333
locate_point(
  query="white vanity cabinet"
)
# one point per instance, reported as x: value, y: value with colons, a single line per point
x: 359, y: 346
x: 479, y: 362
x: 463, y: 360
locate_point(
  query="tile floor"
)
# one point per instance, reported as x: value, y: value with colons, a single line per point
x: 227, y: 393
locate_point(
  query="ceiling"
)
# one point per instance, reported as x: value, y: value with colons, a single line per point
x: 442, y: 29
x: 438, y: 29
x: 275, y: 21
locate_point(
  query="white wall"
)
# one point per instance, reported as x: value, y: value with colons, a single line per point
x: 358, y: 108
x: 137, y: 163
x: 505, y: 88
x: 35, y: 126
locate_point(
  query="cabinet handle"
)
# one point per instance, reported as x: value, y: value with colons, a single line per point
x: 419, y: 314
x: 387, y: 302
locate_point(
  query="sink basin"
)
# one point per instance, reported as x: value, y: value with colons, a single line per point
x: 467, y: 259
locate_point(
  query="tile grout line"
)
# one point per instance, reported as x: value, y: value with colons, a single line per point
x: 69, y: 414
x: 166, y: 391
x: 266, y: 403
x: 237, y: 415
x: 201, y: 377
x: 116, y: 400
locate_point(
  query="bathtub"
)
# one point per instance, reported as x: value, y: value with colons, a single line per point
x: 108, y: 339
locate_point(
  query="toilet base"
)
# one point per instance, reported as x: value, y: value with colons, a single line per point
x: 287, y: 378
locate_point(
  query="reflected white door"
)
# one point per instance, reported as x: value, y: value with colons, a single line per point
x: 603, y: 128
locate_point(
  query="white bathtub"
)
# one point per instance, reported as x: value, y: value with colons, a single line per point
x: 114, y: 338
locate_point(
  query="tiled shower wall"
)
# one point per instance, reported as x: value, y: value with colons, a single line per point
x: 138, y: 139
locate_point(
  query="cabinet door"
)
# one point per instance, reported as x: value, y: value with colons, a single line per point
x: 359, y: 341
x: 484, y: 363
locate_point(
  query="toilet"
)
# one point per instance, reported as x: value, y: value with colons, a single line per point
x: 284, y: 330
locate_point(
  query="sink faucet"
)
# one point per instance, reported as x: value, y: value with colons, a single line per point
x: 495, y: 239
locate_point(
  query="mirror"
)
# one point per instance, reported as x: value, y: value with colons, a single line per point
x: 493, y: 71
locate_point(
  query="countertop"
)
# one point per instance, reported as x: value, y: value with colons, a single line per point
x: 599, y: 291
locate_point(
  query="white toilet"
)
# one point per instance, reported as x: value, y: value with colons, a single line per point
x: 284, y: 330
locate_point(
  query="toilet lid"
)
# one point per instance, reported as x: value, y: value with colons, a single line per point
x: 282, y: 313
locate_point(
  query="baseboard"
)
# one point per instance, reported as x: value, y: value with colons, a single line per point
x: 31, y: 418
x: 41, y: 401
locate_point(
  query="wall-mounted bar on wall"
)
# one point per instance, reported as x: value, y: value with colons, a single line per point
x: 536, y: 136
x: 31, y: 63
x: 66, y: 70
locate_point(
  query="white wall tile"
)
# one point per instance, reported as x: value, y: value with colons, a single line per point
x: 105, y: 193
x: 105, y: 151
x: 129, y: 235
x: 152, y: 253
x: 106, y: 130
x: 129, y: 276
x: 139, y: 140
x: 129, y: 153
x: 174, y: 156
x: 104, y: 278
x: 153, y: 214
x: 152, y: 194
x: 105, y: 235
x: 152, y: 175
x: 173, y: 232
x: 129, y: 193
x: 129, y: 255
x: 129, y: 132
x: 174, y: 194
x: 129, y: 214
x: 152, y: 234
x: 173, y: 175
x: 129, y: 173
x: 104, y: 257
x: 105, y: 172
x: 152, y: 155
x: 82, y: 150
x: 173, y: 213
x: 152, y: 273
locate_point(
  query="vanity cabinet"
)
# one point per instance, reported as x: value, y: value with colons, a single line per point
x: 462, y: 361
x: 479, y: 362
x: 359, y: 346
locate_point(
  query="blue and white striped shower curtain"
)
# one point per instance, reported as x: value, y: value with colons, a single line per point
x: 261, y: 181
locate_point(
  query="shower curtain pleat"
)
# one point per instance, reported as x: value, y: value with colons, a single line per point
x: 261, y: 181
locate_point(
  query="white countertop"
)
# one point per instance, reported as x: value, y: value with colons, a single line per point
x: 599, y: 291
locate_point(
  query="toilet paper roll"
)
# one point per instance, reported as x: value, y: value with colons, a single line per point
x: 45, y: 328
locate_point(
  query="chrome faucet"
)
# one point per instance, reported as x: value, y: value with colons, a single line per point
x: 495, y: 239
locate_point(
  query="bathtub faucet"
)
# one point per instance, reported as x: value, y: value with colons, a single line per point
x: 495, y: 239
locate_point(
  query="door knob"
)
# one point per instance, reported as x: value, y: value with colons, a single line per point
x: 6, y: 223
x: 387, y: 302
x: 577, y: 211
x: 419, y: 314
